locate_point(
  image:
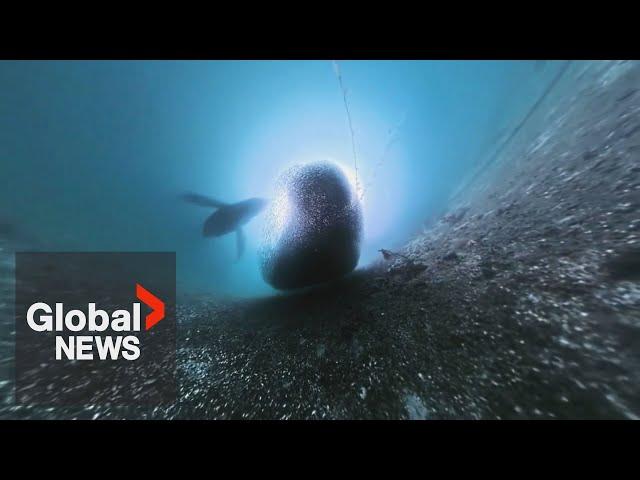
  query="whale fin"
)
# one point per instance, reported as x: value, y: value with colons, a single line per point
x: 202, y: 200
x: 240, y: 241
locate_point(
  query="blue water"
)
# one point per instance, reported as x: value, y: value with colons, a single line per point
x: 94, y: 154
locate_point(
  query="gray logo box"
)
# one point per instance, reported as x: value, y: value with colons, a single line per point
x: 109, y: 280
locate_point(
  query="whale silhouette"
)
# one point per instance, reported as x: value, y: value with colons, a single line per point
x: 228, y: 217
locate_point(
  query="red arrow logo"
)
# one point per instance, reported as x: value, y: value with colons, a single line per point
x: 156, y: 305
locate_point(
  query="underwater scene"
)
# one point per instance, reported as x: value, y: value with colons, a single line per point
x: 353, y: 239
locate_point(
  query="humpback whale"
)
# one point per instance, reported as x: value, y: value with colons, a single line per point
x: 228, y: 217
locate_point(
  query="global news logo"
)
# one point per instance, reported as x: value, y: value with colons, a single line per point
x: 41, y: 317
x: 95, y: 327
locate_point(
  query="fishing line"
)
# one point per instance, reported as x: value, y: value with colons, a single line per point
x: 391, y: 139
x: 336, y: 69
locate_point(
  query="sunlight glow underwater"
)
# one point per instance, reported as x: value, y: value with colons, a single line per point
x: 408, y: 161
x: 282, y: 206
x: 227, y: 129
x: 376, y: 221
x: 380, y: 191
x: 313, y: 229
x: 311, y: 130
